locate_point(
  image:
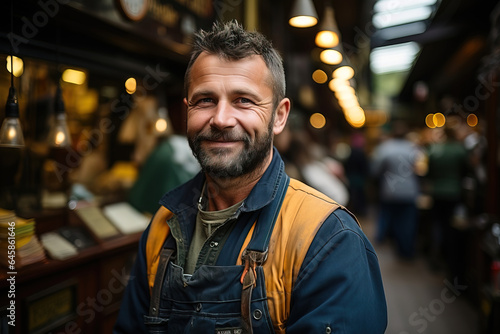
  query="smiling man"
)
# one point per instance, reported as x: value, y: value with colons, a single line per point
x: 242, y: 248
x: 231, y: 117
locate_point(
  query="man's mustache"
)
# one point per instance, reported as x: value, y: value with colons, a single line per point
x: 217, y: 135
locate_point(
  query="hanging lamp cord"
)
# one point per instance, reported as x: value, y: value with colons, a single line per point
x: 11, y: 48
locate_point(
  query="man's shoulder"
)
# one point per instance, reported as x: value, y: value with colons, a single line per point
x: 307, y: 208
x: 313, y: 207
x: 304, y: 192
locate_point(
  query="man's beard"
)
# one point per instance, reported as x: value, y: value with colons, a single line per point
x: 214, y: 162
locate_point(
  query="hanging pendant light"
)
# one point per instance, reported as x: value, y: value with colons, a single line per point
x: 11, y: 140
x: 11, y: 133
x: 59, y: 133
x: 58, y: 162
x: 162, y: 127
x: 328, y: 36
x: 303, y: 14
x: 344, y: 71
x: 331, y: 56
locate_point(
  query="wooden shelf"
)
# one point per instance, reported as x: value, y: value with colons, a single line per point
x: 54, y: 295
x: 50, y: 266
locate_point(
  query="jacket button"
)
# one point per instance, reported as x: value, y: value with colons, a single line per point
x: 198, y: 307
x: 257, y: 314
x: 328, y: 330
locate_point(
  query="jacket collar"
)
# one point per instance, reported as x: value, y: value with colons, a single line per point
x: 186, y: 196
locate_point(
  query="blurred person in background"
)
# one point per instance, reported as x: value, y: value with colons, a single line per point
x: 169, y: 165
x: 393, y: 166
x: 448, y: 165
x: 317, y: 169
x: 283, y: 142
x: 357, y: 168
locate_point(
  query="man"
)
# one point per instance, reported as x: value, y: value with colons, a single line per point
x: 394, y: 166
x: 241, y: 248
x: 448, y: 166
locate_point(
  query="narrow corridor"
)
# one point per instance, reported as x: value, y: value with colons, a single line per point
x: 418, y: 300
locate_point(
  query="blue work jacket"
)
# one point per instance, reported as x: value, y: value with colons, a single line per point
x: 338, y: 288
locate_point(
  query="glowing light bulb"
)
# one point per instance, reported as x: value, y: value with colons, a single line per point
x: 161, y: 125
x: 327, y: 39
x: 60, y: 138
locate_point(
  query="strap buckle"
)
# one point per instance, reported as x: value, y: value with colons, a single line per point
x: 251, y: 259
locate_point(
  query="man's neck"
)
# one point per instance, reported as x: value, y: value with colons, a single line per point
x: 223, y: 193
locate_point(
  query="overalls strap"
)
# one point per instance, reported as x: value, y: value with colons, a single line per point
x: 154, y: 307
x: 267, y: 218
x: 257, y: 249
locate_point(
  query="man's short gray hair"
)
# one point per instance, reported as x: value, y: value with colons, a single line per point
x: 231, y: 41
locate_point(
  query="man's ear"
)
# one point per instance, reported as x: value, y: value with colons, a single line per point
x: 281, y: 116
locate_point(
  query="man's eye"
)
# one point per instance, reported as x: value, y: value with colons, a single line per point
x: 244, y: 100
x: 204, y: 101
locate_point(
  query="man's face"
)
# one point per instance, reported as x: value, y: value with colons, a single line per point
x: 230, y: 114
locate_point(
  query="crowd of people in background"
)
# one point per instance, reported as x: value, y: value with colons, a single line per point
x: 421, y: 186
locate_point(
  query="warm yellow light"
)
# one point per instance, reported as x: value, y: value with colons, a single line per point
x: 60, y: 138
x: 472, y: 120
x: 317, y: 120
x: 344, y: 91
x: 303, y: 21
x: 355, y: 116
x: 17, y: 65
x: 429, y: 121
x: 348, y: 101
x: 438, y: 119
x: 326, y: 39
x: 338, y: 84
x: 161, y: 125
x: 343, y: 72
x: 11, y: 134
x: 74, y: 76
x: 375, y: 118
x: 131, y: 85
x: 330, y: 57
x: 319, y: 76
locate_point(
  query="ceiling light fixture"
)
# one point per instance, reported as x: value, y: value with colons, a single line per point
x: 59, y: 133
x: 303, y: 14
x: 328, y: 36
x: 331, y: 57
x: 391, y: 5
x: 344, y: 72
x: 393, y: 58
x: 394, y: 18
x: 11, y: 134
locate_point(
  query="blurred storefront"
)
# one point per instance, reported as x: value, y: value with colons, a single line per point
x: 98, y: 86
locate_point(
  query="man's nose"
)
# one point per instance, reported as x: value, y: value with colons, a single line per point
x: 223, y: 116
